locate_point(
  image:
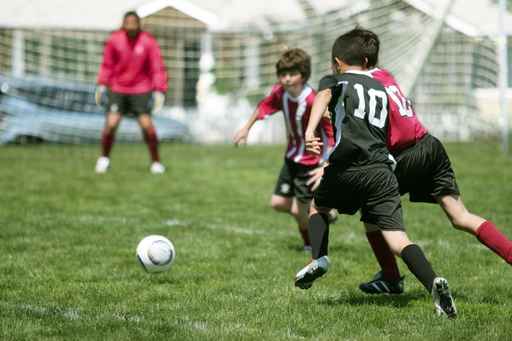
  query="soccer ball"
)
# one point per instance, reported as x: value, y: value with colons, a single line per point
x: 155, y: 253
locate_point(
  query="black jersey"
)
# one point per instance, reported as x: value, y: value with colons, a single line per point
x: 359, y: 108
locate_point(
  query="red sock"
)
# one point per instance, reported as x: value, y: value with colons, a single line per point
x: 152, y: 142
x: 384, y: 255
x: 305, y: 236
x: 491, y: 237
x: 107, y: 140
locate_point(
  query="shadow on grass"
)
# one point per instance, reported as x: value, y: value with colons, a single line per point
x: 300, y: 248
x: 381, y: 300
x: 398, y: 301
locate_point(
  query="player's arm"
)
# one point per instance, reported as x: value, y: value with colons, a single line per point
x: 320, y: 105
x: 159, y: 76
x: 268, y: 106
x: 106, y: 70
x: 241, y: 135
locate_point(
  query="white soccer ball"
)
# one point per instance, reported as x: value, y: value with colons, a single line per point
x: 155, y: 253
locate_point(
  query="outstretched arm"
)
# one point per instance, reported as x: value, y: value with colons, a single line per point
x: 268, y: 106
x: 320, y: 105
x: 241, y: 135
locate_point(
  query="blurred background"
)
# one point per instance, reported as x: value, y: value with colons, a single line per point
x: 450, y: 57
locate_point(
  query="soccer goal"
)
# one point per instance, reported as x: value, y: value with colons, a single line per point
x: 447, y: 65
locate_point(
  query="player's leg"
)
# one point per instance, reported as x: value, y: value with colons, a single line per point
x: 415, y: 172
x: 140, y: 105
x: 151, y: 138
x: 281, y: 203
x: 327, y: 194
x: 303, y: 200
x: 445, y: 191
x: 485, y: 231
x: 283, y: 199
x: 417, y: 262
x: 112, y: 120
x: 388, y: 280
x: 300, y: 211
x: 382, y: 207
x: 109, y: 131
x: 319, y: 236
x: 411, y: 254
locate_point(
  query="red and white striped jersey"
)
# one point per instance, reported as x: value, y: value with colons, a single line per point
x: 296, y: 111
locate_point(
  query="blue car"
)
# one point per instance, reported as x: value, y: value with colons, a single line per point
x: 34, y: 109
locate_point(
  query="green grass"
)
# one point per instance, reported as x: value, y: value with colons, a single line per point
x: 68, y: 236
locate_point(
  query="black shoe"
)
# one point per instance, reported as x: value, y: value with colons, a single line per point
x: 443, y: 300
x: 378, y: 285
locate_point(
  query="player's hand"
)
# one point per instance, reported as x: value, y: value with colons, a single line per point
x: 98, y: 94
x: 315, y: 176
x: 158, y: 101
x: 241, y: 137
x: 314, y: 145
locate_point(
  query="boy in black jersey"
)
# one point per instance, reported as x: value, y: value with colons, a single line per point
x: 359, y: 175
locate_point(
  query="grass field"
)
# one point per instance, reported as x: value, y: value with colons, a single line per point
x: 68, y: 236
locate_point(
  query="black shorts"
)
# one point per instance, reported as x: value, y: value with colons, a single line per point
x: 292, y: 181
x: 127, y: 104
x: 372, y: 188
x: 425, y: 172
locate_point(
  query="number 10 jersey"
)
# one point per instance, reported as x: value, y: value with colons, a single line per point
x: 359, y: 108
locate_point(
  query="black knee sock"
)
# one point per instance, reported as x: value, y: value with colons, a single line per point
x: 416, y: 261
x: 319, y: 234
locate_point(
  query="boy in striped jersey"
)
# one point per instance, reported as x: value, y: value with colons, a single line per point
x: 294, y: 97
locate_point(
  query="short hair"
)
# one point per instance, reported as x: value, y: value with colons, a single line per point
x: 354, y: 46
x: 294, y: 60
x: 131, y: 14
x: 371, y: 46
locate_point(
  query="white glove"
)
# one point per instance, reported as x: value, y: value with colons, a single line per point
x: 158, y: 101
x: 98, y: 94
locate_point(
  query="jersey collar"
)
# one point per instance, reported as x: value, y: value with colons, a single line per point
x: 360, y: 72
x: 305, y: 93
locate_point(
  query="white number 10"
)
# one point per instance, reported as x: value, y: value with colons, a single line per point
x: 360, y: 111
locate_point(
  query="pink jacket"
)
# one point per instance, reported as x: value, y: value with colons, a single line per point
x: 132, y: 66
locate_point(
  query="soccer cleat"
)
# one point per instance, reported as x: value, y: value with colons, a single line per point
x: 102, y: 164
x: 443, y: 300
x: 379, y: 285
x: 317, y: 268
x: 157, y: 168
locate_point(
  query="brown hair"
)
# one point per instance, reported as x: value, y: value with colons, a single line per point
x: 294, y: 60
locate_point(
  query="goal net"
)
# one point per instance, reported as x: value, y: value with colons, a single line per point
x: 446, y: 67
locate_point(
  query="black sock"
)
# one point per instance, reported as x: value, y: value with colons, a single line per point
x: 416, y: 261
x: 319, y: 234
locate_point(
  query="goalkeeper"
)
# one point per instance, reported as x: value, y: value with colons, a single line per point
x: 134, y: 78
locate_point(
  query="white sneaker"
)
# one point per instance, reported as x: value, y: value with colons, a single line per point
x: 443, y: 300
x: 317, y: 268
x: 102, y: 164
x: 157, y: 168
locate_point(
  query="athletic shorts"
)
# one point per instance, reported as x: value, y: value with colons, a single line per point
x: 373, y: 189
x: 127, y: 104
x: 292, y: 181
x: 425, y: 172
